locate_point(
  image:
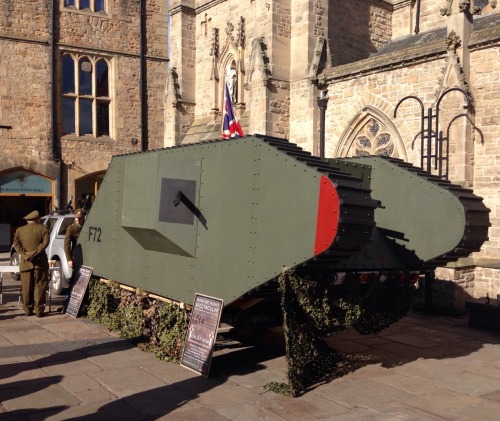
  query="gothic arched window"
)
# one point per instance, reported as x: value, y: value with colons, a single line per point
x: 372, y: 139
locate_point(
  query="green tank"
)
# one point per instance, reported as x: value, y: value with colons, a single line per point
x: 224, y: 218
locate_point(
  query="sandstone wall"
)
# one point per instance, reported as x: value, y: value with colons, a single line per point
x: 485, y: 80
x: 358, y: 28
x: 25, y: 92
x: 382, y: 90
x: 430, y: 15
x: 25, y: 100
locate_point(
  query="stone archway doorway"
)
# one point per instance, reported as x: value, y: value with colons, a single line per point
x: 86, y: 189
x: 22, y: 191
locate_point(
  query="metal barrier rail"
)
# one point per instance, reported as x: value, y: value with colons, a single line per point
x: 14, y: 269
x: 6, y: 269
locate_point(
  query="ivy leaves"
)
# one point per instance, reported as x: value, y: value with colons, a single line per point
x: 157, y: 326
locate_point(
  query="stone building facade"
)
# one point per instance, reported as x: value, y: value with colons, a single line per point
x: 361, y: 57
x: 80, y: 81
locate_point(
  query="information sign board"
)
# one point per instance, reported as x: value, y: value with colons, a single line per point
x: 202, y: 333
x: 78, y: 291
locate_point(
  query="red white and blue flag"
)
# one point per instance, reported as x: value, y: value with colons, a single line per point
x: 230, y: 127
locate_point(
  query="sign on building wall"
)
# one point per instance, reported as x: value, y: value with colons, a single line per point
x: 24, y: 182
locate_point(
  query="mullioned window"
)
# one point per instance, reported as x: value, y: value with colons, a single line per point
x: 86, y: 96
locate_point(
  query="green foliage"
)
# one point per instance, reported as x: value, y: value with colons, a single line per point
x: 313, y: 309
x: 102, y: 304
x: 281, y: 388
x: 158, y: 327
x: 309, y: 315
x: 130, y: 323
x: 168, y: 331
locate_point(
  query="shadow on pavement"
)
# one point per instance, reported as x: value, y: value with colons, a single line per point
x: 414, y: 337
x: 162, y: 400
x: 22, y: 388
x: 78, y: 352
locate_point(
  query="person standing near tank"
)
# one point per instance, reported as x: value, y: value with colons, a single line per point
x: 70, y: 239
x: 71, y: 236
x: 30, y: 242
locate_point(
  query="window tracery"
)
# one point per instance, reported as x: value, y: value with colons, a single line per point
x: 373, y: 139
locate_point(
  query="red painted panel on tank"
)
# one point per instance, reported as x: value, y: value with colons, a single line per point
x: 328, y: 216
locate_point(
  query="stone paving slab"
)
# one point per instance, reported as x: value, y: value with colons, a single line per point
x: 245, y: 412
x: 202, y: 414
x: 309, y: 406
x: 448, y: 405
x: 127, y: 380
x: 221, y: 397
x: 69, y: 367
x: 26, y: 397
x: 494, y: 396
x: 160, y: 401
x: 408, y: 384
x: 367, y: 393
x: 172, y: 373
x: 76, y: 383
x: 407, y: 351
x: 20, y: 323
x: 64, y: 327
x: 119, y: 411
x: 34, y: 336
x: 112, y: 358
x: 18, y: 372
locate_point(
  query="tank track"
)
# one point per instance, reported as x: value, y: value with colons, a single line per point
x: 476, y: 215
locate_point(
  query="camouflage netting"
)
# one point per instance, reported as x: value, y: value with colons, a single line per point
x: 157, y: 326
x: 313, y: 310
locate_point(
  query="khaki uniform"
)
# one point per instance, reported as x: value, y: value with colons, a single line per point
x: 70, y: 239
x: 30, y: 242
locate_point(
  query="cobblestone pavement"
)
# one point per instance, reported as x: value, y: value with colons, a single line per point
x: 421, y: 368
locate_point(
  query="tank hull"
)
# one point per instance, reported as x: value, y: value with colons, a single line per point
x: 224, y: 218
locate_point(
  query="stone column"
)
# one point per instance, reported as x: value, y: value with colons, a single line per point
x: 459, y: 27
x: 403, y: 19
x: 179, y: 106
x: 309, y: 21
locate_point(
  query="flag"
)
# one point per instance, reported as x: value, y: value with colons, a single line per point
x: 230, y: 127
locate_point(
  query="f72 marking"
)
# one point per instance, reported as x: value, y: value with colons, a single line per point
x: 95, y: 234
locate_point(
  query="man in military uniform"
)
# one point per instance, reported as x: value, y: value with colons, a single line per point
x: 70, y: 239
x: 71, y: 236
x: 30, y: 242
